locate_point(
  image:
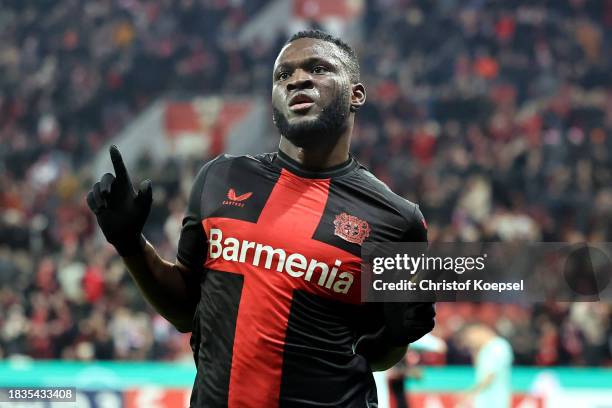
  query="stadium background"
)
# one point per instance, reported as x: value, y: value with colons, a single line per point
x: 494, y: 116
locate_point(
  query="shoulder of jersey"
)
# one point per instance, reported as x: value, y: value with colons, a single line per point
x: 262, y: 159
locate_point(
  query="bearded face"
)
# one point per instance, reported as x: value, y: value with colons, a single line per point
x: 311, y: 93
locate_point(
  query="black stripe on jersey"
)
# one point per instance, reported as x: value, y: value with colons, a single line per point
x: 342, y: 199
x: 247, y: 175
x: 313, y: 375
x: 364, y: 197
x: 213, y: 338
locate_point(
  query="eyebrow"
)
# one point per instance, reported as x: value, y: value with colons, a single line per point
x: 306, y: 62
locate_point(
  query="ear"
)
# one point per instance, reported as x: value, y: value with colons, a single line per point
x: 358, y: 96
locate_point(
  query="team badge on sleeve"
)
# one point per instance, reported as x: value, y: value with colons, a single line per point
x: 351, y: 228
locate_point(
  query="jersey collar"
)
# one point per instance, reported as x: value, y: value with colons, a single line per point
x: 284, y: 161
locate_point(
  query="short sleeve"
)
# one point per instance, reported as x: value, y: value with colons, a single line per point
x: 417, y: 227
x: 407, y: 322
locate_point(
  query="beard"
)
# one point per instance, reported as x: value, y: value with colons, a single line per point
x: 326, y: 128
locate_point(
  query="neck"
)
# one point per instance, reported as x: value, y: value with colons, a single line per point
x: 318, y: 158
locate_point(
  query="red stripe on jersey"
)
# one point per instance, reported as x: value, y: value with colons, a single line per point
x: 287, y: 222
x: 295, y: 205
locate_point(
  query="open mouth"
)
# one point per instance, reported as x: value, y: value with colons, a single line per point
x: 300, y: 102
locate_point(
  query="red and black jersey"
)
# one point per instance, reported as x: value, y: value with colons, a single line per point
x: 279, y: 250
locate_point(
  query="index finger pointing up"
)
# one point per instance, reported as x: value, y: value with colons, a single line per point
x: 120, y: 170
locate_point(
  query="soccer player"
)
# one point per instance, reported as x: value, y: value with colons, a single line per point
x: 267, y: 276
x: 492, y: 357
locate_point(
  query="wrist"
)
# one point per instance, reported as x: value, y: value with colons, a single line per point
x: 132, y: 247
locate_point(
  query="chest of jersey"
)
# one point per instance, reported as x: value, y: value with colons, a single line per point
x: 283, y: 265
x: 274, y: 243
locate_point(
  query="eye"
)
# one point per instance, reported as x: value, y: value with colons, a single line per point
x: 281, y: 76
x: 319, y: 69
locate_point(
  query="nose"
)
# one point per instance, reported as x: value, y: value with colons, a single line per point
x: 300, y: 80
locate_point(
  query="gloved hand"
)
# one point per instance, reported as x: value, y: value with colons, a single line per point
x: 407, y: 322
x: 120, y: 210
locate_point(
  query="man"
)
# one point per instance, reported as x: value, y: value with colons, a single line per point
x: 267, y: 275
x: 492, y: 358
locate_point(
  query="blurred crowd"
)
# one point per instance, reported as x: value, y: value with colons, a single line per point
x: 496, y: 117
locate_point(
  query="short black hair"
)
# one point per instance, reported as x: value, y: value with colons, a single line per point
x: 351, y: 61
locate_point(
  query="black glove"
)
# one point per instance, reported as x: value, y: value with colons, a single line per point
x: 407, y: 322
x: 120, y: 210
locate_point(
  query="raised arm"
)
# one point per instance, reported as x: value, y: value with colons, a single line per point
x: 121, y: 212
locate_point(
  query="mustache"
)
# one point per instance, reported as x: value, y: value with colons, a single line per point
x: 325, y: 128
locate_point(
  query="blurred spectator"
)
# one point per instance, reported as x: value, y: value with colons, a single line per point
x: 492, y: 358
